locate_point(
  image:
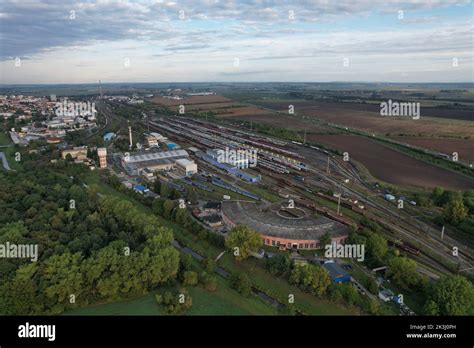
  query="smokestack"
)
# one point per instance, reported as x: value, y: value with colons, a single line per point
x: 130, y: 135
x: 100, y: 89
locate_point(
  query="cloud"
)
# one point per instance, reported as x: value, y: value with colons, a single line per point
x: 199, y: 39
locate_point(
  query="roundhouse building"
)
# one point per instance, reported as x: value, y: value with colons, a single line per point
x: 280, y: 227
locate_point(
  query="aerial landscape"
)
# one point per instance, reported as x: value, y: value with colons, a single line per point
x: 215, y: 158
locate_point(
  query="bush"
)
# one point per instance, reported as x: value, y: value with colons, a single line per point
x: 190, y: 278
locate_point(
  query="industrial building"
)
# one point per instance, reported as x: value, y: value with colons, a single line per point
x: 186, y: 167
x: 232, y: 170
x: 154, y: 161
x: 79, y: 152
x: 283, y: 231
x: 102, y: 154
x: 151, y: 140
x: 336, y: 272
x: 109, y: 136
x: 239, y: 161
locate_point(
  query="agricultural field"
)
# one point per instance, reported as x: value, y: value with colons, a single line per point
x: 464, y: 147
x: 196, y: 99
x: 367, y: 117
x: 392, y: 166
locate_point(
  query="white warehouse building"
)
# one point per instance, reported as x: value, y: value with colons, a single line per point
x: 186, y: 167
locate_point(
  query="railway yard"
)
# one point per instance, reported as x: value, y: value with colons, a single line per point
x: 315, y: 179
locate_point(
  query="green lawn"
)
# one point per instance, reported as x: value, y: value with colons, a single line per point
x: 4, y: 138
x: 280, y: 288
x: 223, y: 301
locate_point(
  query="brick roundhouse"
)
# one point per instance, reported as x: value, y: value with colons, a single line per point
x: 285, y: 232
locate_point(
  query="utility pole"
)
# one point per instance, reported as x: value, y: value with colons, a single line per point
x: 327, y: 167
x: 338, y: 204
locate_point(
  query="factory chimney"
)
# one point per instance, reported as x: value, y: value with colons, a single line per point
x: 130, y: 136
x: 100, y: 89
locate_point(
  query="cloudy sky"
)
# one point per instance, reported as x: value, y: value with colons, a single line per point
x: 56, y: 41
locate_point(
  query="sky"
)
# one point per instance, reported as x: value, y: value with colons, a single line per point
x: 56, y: 41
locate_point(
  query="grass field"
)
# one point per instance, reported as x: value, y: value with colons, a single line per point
x: 4, y: 139
x: 281, y: 289
x: 223, y: 301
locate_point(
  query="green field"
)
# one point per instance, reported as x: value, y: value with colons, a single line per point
x: 4, y: 139
x: 223, y: 301
x: 281, y: 289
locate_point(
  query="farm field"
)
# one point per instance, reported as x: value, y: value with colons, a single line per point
x: 366, y: 117
x: 394, y: 167
x: 283, y: 121
x: 464, y: 147
x: 197, y: 99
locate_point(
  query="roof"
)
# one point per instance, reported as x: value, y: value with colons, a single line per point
x: 335, y: 271
x: 155, y: 156
x: 140, y: 187
x: 109, y: 135
x: 270, y: 223
x: 212, y: 205
x: 212, y: 218
x: 185, y: 162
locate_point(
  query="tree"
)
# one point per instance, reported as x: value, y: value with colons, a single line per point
x: 325, y: 239
x: 181, y: 216
x: 437, y: 195
x: 158, y: 206
x: 372, y: 286
x: 192, y: 196
x: 185, y: 262
x: 314, y: 279
x: 377, y: 246
x: 168, y: 207
x: 279, y: 265
x: 402, y: 272
x: 454, y: 210
x: 157, y: 186
x: 190, y: 278
x: 18, y: 296
x: 208, y: 264
x: 245, y: 240
x: 164, y: 190
x: 450, y: 295
x: 210, y: 282
x: 241, y: 283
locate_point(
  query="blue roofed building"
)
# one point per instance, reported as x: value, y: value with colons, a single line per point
x: 140, y: 189
x: 109, y: 136
x: 336, y: 272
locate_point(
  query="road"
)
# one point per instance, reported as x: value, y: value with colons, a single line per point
x: 265, y: 297
x: 4, y: 160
